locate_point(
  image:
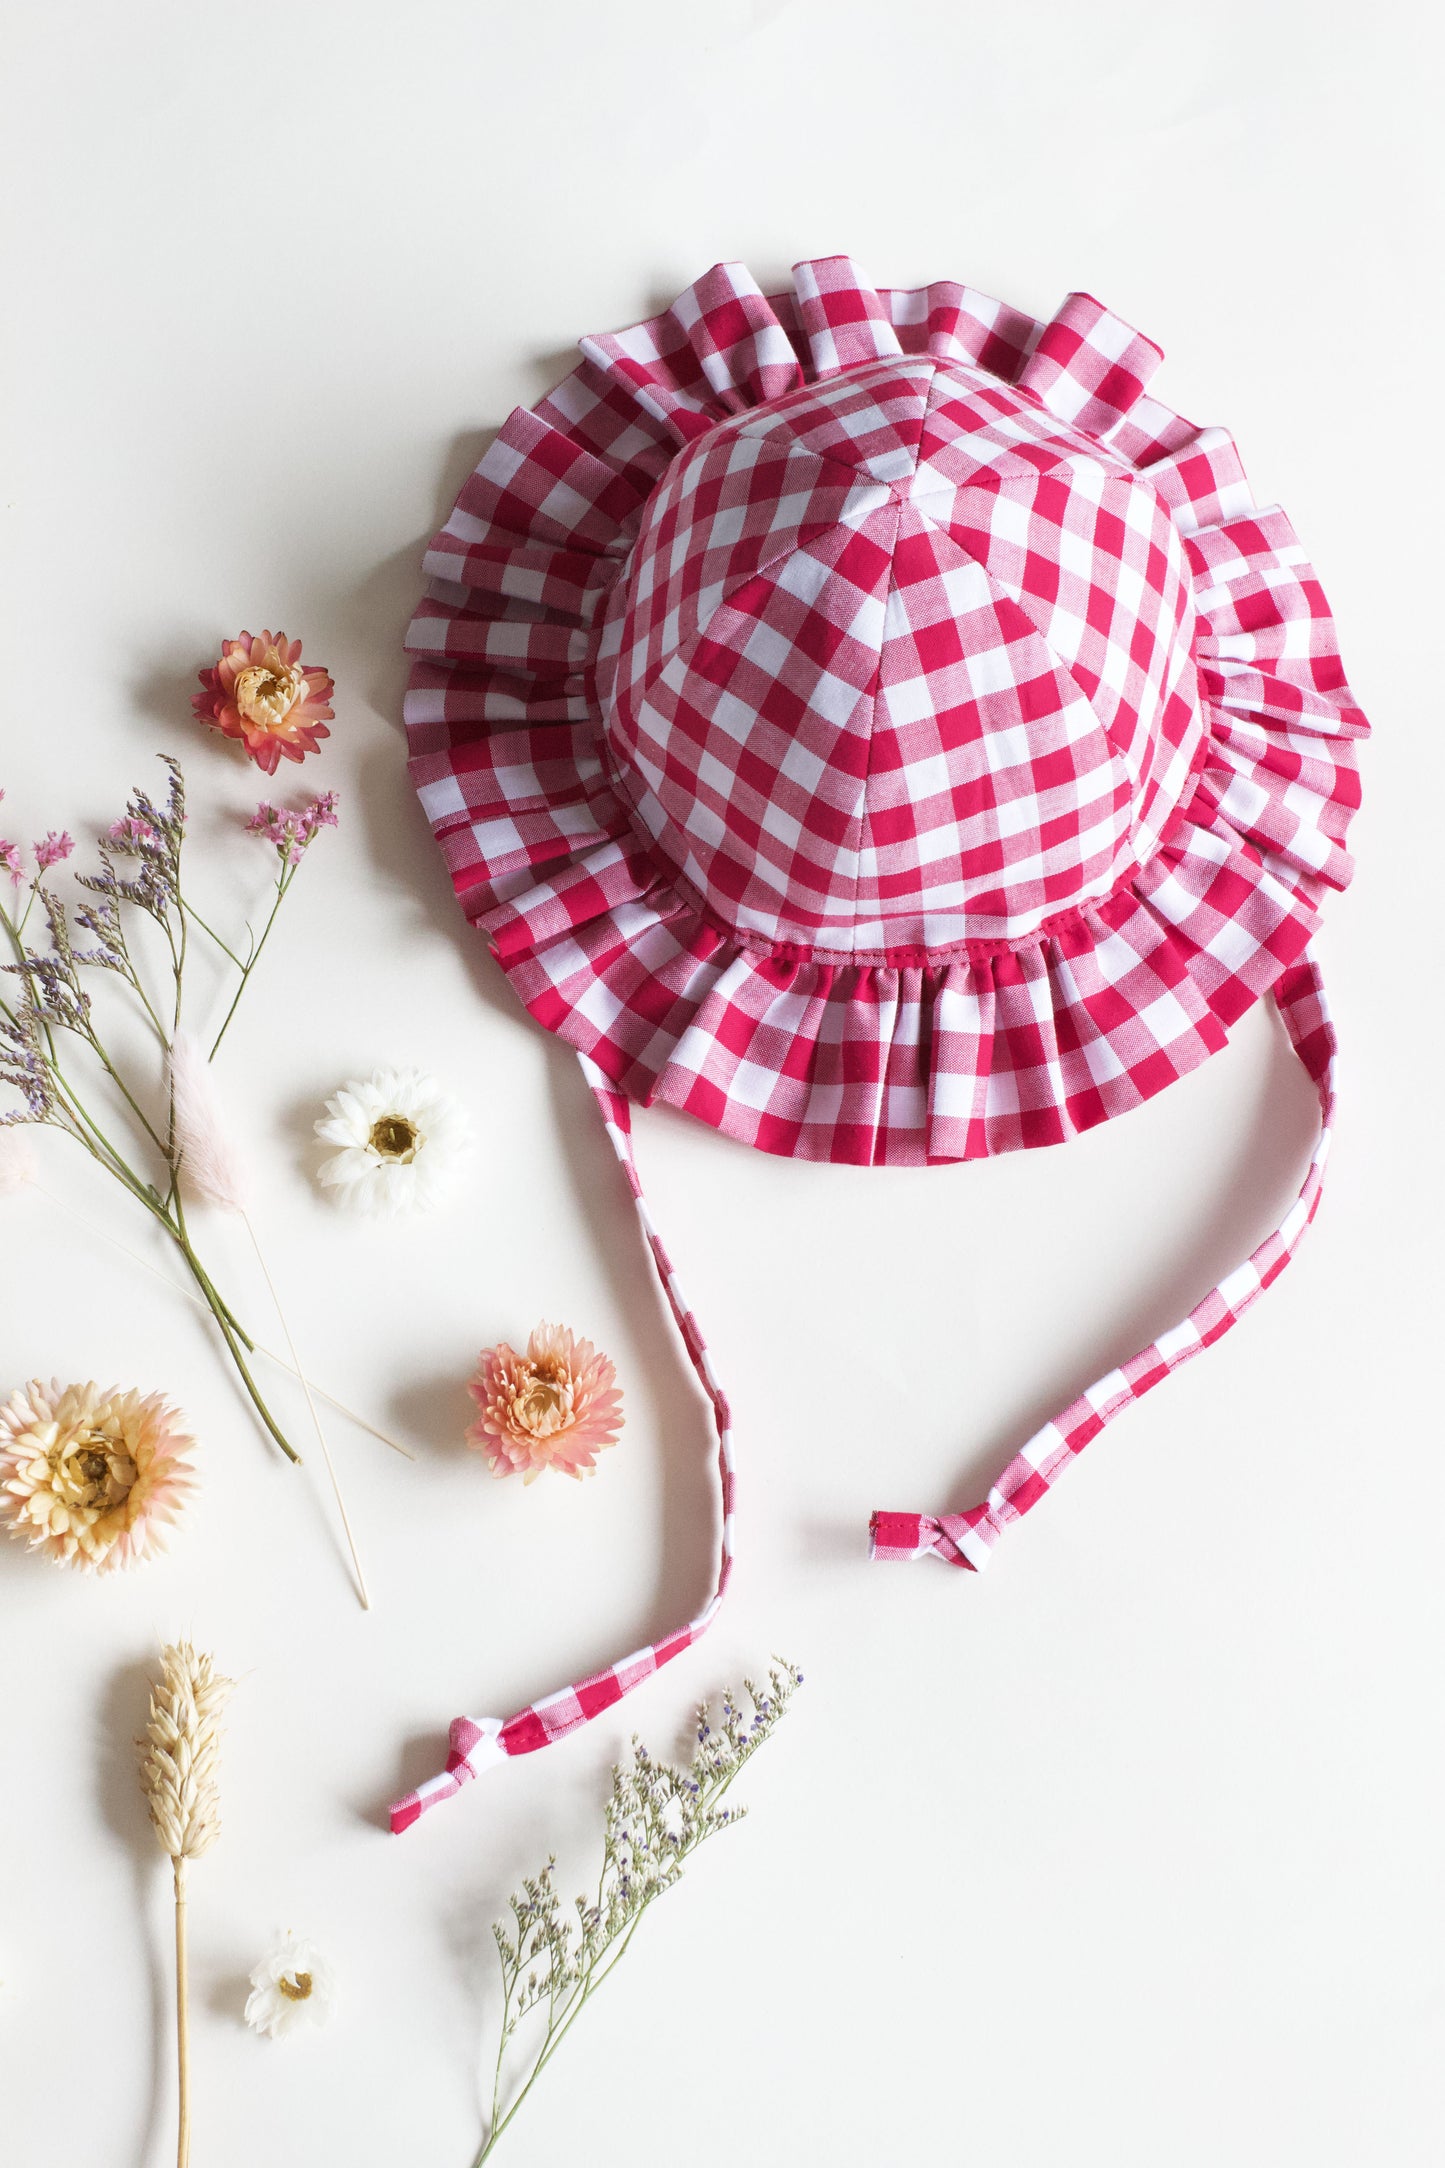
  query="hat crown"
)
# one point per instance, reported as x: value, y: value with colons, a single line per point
x: 901, y: 662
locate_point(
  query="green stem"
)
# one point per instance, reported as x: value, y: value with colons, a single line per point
x: 98, y: 1144
x: 219, y: 1311
x: 601, y: 1968
x: 596, y: 1974
x: 133, y: 980
x: 123, y: 1088
x: 282, y: 884
x: 189, y: 911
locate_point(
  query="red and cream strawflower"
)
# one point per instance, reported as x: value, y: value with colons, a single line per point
x: 558, y: 1406
x: 91, y: 1477
x: 259, y: 692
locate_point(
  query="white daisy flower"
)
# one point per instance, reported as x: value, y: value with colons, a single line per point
x: 292, y: 1986
x: 399, y: 1139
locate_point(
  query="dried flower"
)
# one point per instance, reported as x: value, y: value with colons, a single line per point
x: 258, y: 692
x: 54, y: 1033
x: 12, y: 862
x: 399, y: 1139
x: 291, y: 830
x: 130, y: 835
x: 557, y: 1406
x: 292, y: 1986
x: 24, y: 1065
x: 656, y: 1818
x: 91, y: 1478
x: 180, y: 1757
x: 181, y: 1751
x: 53, y: 848
x: 208, y: 1163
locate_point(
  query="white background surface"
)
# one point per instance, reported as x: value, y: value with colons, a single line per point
x: 1126, y: 1854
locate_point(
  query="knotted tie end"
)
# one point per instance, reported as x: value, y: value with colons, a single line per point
x: 473, y: 1744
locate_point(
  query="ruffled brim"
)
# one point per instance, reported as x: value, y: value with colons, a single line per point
x: 996, y: 1047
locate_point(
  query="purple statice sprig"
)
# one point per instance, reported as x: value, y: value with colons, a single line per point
x: 656, y: 1817
x: 23, y: 1065
x: 140, y: 865
x: 53, y: 975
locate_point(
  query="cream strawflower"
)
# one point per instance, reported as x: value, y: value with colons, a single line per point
x: 91, y: 1477
x: 291, y: 1986
x: 400, y: 1140
x: 558, y: 1406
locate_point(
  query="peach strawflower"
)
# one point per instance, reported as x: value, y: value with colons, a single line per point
x: 259, y: 693
x: 91, y: 1477
x: 557, y: 1406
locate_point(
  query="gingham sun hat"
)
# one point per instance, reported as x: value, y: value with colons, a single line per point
x: 868, y: 720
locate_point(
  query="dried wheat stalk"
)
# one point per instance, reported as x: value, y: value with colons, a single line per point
x: 180, y: 1758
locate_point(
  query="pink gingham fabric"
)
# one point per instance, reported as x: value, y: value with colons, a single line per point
x: 967, y: 1539
x: 867, y: 719
x: 871, y: 722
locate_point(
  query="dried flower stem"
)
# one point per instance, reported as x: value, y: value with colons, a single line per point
x: 207, y: 1165
x: 140, y: 873
x: 180, y: 1755
x: 356, y: 1564
x: 283, y: 881
x: 257, y: 1347
x: 656, y: 1818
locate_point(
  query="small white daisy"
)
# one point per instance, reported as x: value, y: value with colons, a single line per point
x: 292, y: 1986
x: 399, y: 1139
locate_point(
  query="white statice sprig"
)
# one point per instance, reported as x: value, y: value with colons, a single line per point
x: 398, y: 1142
x: 657, y: 1816
x: 292, y: 1986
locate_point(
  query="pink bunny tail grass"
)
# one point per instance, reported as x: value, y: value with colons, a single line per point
x: 211, y: 1169
x: 18, y: 1164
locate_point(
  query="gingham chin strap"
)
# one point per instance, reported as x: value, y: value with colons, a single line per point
x: 480, y: 1743
x: 962, y: 1539
x: 967, y: 1539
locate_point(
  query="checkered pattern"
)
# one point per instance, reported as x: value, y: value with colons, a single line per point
x: 896, y: 666
x: 967, y: 1539
x: 477, y: 1743
x: 871, y: 722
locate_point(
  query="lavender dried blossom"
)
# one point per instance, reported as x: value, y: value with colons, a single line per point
x: 53, y: 980
x: 151, y: 837
x: 23, y: 1064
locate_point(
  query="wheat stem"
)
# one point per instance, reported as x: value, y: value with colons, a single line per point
x: 180, y: 1756
x: 183, y: 2023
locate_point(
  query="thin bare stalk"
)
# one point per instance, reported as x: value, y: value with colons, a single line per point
x: 315, y: 1418
x: 183, y: 2023
x: 254, y: 958
x: 255, y: 1347
x: 226, y: 950
x: 219, y: 1312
